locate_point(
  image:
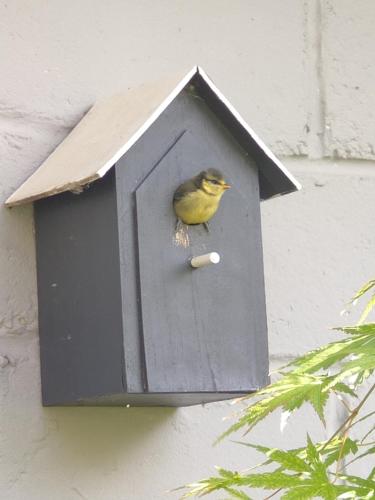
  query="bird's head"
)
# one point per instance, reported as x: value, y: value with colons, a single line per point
x: 212, y: 182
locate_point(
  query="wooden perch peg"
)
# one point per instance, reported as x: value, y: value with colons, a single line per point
x: 205, y: 260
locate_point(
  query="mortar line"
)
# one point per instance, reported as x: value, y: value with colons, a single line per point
x: 316, y: 117
x: 330, y: 166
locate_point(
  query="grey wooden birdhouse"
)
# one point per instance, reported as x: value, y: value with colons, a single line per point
x: 124, y: 317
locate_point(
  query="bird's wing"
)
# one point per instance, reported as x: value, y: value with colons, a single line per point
x: 184, y: 189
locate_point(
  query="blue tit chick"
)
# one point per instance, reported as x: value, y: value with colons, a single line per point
x: 197, y: 200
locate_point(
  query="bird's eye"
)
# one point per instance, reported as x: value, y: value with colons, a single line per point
x: 214, y: 181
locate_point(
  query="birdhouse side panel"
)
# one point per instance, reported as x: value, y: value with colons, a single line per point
x: 79, y: 292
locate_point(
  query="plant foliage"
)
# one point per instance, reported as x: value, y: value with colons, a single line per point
x: 320, y: 469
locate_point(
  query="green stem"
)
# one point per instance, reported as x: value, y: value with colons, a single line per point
x: 367, y: 434
x: 350, y: 418
x: 273, y: 494
x: 364, y: 418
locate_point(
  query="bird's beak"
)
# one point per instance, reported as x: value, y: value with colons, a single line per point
x: 226, y: 186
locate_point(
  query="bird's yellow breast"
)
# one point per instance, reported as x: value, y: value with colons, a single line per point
x: 196, y: 207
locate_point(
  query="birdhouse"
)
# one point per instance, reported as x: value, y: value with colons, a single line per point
x: 130, y: 314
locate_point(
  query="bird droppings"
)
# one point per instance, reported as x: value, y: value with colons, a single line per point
x: 181, y: 235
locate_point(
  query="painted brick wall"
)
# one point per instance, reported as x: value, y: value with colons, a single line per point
x: 301, y: 73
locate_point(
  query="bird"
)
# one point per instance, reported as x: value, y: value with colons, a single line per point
x: 197, y: 200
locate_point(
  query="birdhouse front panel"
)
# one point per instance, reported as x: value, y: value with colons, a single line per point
x: 201, y: 326
x: 199, y: 330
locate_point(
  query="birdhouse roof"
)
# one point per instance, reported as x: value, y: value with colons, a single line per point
x: 111, y: 128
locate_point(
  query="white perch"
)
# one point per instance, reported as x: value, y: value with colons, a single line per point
x: 205, y: 260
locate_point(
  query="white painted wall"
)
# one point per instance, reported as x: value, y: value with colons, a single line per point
x: 301, y: 73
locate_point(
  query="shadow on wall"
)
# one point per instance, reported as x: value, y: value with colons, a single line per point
x: 103, y: 435
x: 18, y: 309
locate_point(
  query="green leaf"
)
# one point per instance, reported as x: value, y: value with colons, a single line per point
x: 232, y: 480
x: 320, y: 471
x: 367, y: 329
x: 338, y: 449
x: 356, y: 487
x: 312, y: 452
x: 347, y: 492
x: 359, y: 481
x: 343, y: 388
x: 288, y: 459
x: 302, y: 492
x: 372, y: 474
x: 318, y: 399
x: 333, y: 353
x: 271, y: 480
x: 312, y: 488
x: 363, y: 363
x: 258, y: 447
x: 237, y: 494
x: 227, y: 474
x: 289, y: 393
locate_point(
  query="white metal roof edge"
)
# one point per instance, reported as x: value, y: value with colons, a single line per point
x: 147, y: 124
x: 248, y: 129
